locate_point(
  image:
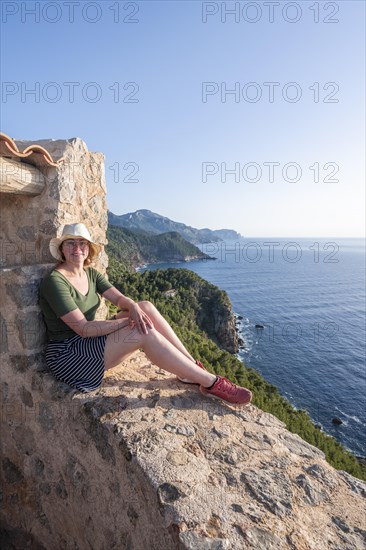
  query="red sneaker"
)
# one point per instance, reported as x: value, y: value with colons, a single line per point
x: 186, y: 380
x: 227, y: 391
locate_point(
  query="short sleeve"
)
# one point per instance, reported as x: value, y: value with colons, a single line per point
x: 102, y: 284
x: 57, y: 294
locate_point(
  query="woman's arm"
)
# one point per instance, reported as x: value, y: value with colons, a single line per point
x: 136, y: 316
x: 76, y: 321
x: 118, y: 299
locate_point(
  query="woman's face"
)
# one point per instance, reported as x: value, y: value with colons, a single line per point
x: 75, y: 250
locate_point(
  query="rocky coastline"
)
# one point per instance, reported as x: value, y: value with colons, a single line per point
x: 187, y: 259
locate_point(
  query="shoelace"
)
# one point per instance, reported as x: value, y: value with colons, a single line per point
x: 228, y: 386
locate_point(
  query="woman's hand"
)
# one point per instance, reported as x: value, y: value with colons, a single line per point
x: 139, y: 319
x: 136, y: 317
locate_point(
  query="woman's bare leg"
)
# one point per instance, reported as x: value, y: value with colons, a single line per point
x: 164, y: 354
x: 162, y: 326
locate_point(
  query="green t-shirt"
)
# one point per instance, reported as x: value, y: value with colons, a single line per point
x: 58, y: 297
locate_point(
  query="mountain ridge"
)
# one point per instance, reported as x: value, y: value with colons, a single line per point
x: 149, y: 221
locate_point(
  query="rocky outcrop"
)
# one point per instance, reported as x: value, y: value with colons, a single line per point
x: 229, y: 477
x: 225, y: 329
x: 217, y: 318
x: 147, y: 462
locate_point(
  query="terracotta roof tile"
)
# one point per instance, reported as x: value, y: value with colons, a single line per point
x: 33, y: 154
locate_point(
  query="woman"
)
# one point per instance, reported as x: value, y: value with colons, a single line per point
x: 80, y: 349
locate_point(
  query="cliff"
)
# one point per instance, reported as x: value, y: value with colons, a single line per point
x: 133, y: 248
x: 216, y: 317
x: 147, y: 462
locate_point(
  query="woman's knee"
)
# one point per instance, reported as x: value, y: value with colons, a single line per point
x: 146, y: 306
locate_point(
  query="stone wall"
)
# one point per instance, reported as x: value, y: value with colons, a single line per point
x: 144, y: 462
x: 72, y: 190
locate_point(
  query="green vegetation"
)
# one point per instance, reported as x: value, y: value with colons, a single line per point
x: 134, y: 248
x: 184, y: 312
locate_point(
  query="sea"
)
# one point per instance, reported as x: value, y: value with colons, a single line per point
x: 301, y: 316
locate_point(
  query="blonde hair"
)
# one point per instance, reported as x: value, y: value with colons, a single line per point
x: 94, y: 251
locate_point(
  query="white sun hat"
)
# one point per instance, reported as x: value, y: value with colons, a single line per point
x: 70, y: 231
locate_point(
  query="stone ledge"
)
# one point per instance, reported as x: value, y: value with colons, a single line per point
x: 147, y: 462
x: 230, y: 477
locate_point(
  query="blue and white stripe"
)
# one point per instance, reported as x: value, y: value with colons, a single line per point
x: 77, y: 361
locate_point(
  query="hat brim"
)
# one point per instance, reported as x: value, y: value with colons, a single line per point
x: 56, y: 241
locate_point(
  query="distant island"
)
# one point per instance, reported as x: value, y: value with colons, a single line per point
x: 145, y: 220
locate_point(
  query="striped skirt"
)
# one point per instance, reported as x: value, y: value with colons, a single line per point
x: 77, y: 361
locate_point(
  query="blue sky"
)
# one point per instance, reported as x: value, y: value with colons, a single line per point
x: 179, y: 135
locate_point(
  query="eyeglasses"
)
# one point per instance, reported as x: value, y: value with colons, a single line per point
x: 71, y: 244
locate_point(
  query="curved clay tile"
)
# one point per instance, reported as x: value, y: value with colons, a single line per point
x: 33, y: 154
